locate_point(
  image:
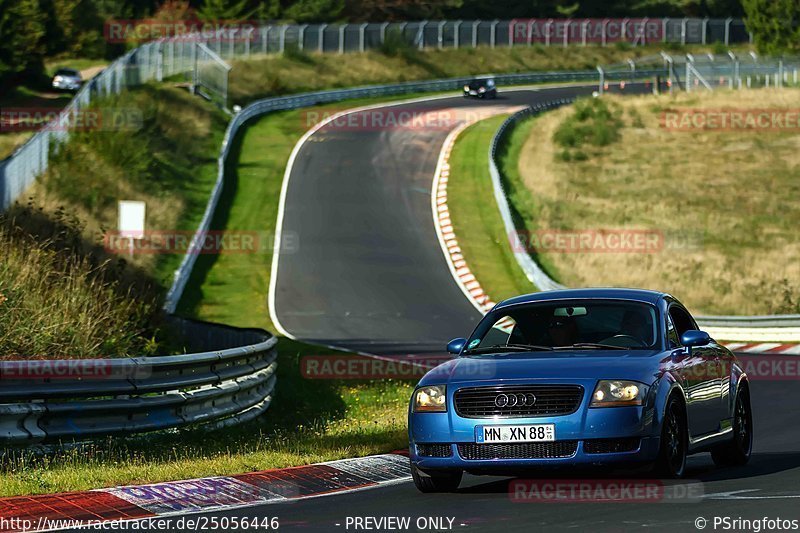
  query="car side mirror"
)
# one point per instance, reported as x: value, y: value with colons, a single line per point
x: 695, y: 337
x: 456, y: 345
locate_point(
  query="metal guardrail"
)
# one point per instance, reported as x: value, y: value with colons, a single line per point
x: 48, y: 400
x: 782, y: 328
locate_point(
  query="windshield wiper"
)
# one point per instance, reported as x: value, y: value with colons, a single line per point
x: 594, y: 345
x: 510, y: 347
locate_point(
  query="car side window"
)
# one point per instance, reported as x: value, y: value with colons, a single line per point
x: 681, y: 320
x: 504, y: 331
x: 672, y: 334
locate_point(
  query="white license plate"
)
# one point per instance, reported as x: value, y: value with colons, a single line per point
x: 526, y: 433
x: 473, y: 92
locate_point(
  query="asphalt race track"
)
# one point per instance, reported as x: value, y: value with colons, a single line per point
x: 367, y: 272
x: 369, y: 275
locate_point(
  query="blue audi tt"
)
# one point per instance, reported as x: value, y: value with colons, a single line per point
x: 579, y: 377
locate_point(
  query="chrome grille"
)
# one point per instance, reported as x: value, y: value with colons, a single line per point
x: 548, y: 400
x: 524, y: 450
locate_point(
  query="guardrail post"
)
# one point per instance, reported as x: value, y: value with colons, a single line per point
x: 282, y: 38
x: 361, y: 30
x: 684, y: 23
x: 623, y: 30
x: 421, y: 34
x: 457, y: 33
x: 664, y: 24
x: 670, y: 70
x: 475, y: 25
x: 529, y: 37
x: 567, y: 26
x: 440, y: 33
x: 728, y: 30
x: 493, y: 33
x: 704, y: 30
x: 641, y: 33
x: 780, y: 73
x: 265, y: 39
x: 604, y: 32
x: 584, y: 28
x: 321, y: 38
x: 301, y: 36
x: 342, y: 28
x: 383, y: 31
x: 602, y: 80
x: 632, y: 65
x: 159, y: 61
x: 547, y: 29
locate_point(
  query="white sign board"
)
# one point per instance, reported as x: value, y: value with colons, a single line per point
x: 131, y: 219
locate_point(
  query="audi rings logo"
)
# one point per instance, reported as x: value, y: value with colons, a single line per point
x: 515, y: 400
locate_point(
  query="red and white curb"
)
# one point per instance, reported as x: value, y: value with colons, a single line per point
x: 764, y: 348
x: 461, y: 272
x: 60, y: 511
x: 444, y: 228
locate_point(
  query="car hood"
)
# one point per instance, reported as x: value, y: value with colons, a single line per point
x: 638, y: 365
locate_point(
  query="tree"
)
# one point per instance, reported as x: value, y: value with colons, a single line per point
x: 775, y: 24
x: 21, y: 39
x: 314, y: 10
x: 222, y: 10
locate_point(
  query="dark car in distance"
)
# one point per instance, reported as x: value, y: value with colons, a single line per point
x: 480, y: 88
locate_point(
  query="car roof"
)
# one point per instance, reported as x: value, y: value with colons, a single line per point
x: 66, y: 70
x: 638, y: 295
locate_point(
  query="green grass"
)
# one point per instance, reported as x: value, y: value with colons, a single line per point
x: 476, y: 219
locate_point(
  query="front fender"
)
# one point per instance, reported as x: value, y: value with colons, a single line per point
x: 665, y: 386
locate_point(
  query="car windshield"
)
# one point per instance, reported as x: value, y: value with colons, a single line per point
x: 573, y: 324
x: 475, y: 84
x: 67, y: 72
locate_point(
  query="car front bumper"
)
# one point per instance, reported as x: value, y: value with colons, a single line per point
x: 582, y: 430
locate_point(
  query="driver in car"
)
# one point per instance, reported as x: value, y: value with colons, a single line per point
x: 563, y: 331
x: 636, y: 325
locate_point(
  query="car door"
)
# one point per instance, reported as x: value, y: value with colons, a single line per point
x: 701, y: 377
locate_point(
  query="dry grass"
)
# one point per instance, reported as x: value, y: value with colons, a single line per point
x: 726, y: 202
x: 94, y: 315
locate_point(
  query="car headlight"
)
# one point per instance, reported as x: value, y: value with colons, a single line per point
x: 618, y: 393
x: 430, y: 399
x: 466, y: 87
x: 482, y: 90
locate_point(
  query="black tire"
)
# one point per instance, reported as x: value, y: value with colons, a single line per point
x: 671, y: 462
x: 438, y: 481
x: 737, y: 451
